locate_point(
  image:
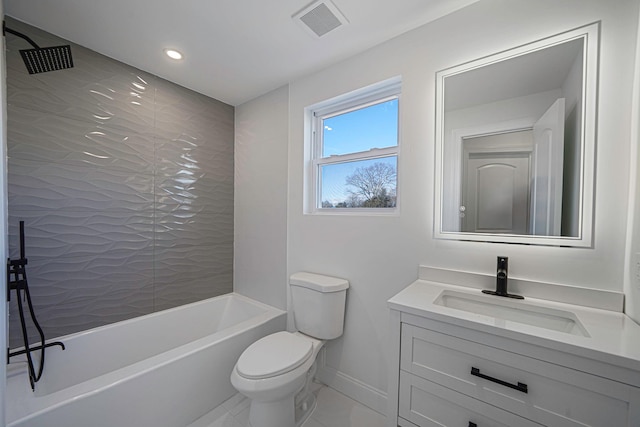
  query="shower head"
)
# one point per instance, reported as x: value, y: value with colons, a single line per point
x: 43, y: 59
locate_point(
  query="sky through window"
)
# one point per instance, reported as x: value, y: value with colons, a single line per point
x: 361, y: 130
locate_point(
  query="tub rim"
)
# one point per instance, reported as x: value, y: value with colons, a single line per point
x: 87, y: 388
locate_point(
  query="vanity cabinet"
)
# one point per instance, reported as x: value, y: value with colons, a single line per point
x: 447, y: 375
x: 425, y: 403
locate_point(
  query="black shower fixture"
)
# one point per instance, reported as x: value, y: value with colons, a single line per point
x: 43, y: 59
x: 17, y: 280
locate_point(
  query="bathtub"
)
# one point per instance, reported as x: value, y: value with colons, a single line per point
x: 165, y: 369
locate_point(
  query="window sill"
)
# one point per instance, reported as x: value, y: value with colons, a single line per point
x: 355, y: 212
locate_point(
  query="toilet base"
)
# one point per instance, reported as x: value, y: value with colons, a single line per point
x: 279, y: 413
x: 287, y: 412
x: 305, y: 408
x: 283, y: 413
x: 294, y: 400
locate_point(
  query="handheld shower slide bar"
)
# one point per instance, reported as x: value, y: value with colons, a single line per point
x: 17, y: 279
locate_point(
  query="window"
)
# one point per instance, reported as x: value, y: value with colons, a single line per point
x: 355, y: 151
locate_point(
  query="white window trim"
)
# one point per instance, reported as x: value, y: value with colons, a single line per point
x: 362, y: 98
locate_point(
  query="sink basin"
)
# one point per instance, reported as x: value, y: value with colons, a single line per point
x: 501, y: 311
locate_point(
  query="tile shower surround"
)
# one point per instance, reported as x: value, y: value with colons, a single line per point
x: 125, y: 183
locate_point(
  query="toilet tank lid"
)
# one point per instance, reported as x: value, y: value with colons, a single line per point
x: 318, y: 282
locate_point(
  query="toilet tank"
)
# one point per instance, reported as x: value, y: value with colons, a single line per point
x: 318, y: 304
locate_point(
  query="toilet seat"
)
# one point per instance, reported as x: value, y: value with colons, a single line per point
x: 274, y: 355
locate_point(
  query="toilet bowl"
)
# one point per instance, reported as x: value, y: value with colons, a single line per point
x: 275, y: 371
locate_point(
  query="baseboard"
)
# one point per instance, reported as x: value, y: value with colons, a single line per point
x: 351, y: 387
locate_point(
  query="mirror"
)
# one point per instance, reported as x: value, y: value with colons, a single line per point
x: 515, y: 144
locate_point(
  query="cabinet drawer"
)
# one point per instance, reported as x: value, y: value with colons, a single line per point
x: 554, y: 396
x: 428, y: 404
x: 404, y: 423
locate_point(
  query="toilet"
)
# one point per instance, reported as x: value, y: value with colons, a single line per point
x: 275, y: 371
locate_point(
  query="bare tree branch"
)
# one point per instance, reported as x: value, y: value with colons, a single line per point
x: 374, y: 185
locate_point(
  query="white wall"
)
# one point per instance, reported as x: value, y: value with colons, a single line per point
x: 3, y: 224
x: 632, y: 271
x: 379, y: 255
x: 260, y: 198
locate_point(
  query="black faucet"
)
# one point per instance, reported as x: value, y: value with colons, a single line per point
x: 501, y: 280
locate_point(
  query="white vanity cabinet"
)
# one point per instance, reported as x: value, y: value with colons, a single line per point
x: 445, y: 374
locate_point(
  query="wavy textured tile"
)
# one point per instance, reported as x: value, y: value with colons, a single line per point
x: 173, y: 295
x: 53, y: 138
x: 54, y: 187
x: 174, y: 100
x: 204, y: 195
x: 125, y: 184
x: 174, y: 230
x: 86, y: 236
x: 95, y: 89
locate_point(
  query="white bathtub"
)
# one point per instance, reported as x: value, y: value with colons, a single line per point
x: 165, y: 369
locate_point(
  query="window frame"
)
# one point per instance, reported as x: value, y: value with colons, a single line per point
x: 377, y: 94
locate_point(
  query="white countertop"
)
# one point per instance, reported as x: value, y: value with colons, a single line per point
x: 613, y: 337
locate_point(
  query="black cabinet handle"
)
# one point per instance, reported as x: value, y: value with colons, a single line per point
x: 520, y: 386
x: 472, y: 424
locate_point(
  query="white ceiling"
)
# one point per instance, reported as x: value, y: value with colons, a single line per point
x: 530, y: 73
x: 235, y: 50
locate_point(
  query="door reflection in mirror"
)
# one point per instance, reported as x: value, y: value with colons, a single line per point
x: 496, y: 183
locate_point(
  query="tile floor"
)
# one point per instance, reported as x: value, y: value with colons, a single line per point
x: 332, y: 410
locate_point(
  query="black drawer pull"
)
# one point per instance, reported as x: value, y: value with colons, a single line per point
x: 472, y: 424
x: 520, y: 386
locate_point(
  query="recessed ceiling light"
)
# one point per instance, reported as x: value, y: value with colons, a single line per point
x: 173, y: 54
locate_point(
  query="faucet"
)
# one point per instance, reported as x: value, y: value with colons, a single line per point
x: 501, y: 275
x: 501, y: 280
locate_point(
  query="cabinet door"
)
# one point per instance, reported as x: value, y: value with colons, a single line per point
x: 548, y: 394
x: 428, y: 404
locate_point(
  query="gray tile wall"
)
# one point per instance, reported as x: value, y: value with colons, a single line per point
x: 125, y: 184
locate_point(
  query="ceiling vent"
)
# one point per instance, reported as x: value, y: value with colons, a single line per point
x: 320, y: 17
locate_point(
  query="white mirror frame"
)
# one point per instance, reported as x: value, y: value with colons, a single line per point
x: 590, y: 33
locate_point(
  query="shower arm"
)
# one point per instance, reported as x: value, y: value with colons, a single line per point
x: 6, y: 29
x: 42, y: 60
